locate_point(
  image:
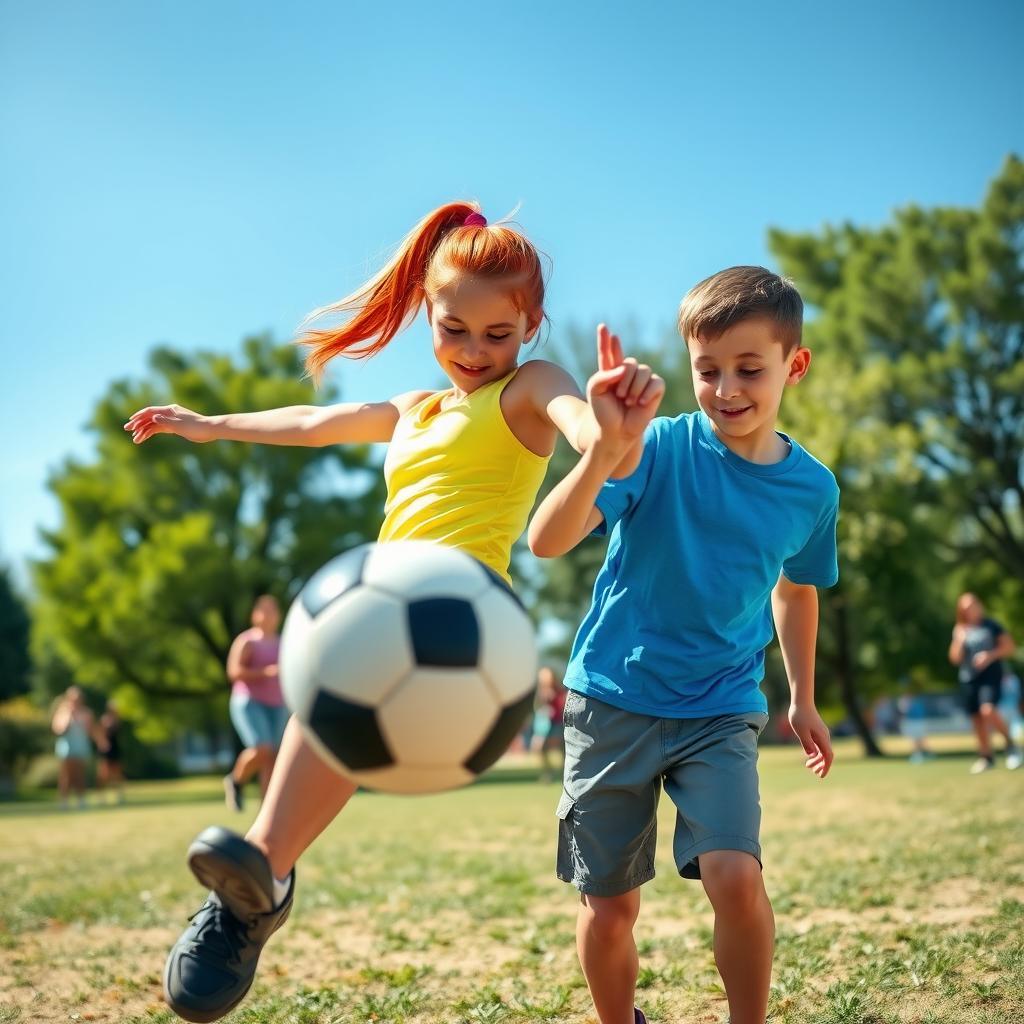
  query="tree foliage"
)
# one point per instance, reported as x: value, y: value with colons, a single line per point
x: 161, y: 548
x: 14, y: 634
x: 916, y: 400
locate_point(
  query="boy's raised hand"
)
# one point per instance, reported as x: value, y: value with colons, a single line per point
x: 623, y: 394
x: 814, y: 738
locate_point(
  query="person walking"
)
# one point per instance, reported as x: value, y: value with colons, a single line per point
x: 978, y: 647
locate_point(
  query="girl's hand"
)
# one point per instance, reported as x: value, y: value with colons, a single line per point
x: 169, y: 419
x: 982, y: 660
x: 624, y: 394
x: 814, y: 738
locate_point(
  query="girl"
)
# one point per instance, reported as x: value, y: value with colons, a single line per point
x: 256, y: 705
x: 463, y: 468
x: 978, y: 646
x: 73, y: 725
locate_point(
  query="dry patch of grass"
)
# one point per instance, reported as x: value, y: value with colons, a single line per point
x: 899, y: 896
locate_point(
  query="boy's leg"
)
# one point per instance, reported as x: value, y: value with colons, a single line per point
x: 713, y: 783
x: 606, y: 840
x: 608, y: 954
x: 744, y: 931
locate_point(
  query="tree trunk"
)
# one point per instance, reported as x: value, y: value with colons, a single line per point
x: 847, y: 675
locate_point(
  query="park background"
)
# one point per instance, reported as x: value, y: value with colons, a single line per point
x: 180, y: 184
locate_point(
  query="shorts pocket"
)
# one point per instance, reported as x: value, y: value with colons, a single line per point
x: 757, y: 721
x: 573, y: 706
x: 565, y: 806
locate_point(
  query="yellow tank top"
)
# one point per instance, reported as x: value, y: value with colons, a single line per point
x: 461, y: 477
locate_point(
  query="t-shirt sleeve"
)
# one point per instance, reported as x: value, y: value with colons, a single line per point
x: 996, y: 628
x: 619, y: 497
x: 816, y: 564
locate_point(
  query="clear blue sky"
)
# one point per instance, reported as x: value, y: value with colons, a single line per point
x: 189, y: 172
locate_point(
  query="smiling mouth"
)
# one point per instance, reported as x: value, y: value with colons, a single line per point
x: 734, y: 413
x: 472, y: 371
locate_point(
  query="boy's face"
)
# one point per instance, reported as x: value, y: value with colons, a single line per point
x: 739, y: 377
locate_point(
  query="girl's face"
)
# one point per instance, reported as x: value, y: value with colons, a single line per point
x: 477, y: 330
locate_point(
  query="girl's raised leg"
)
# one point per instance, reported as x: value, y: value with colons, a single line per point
x: 304, y: 796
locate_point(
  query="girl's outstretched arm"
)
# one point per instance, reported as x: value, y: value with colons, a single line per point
x: 309, y: 426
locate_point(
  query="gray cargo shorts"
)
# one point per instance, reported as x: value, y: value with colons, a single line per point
x: 615, y: 765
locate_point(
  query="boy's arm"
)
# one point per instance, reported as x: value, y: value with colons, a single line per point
x: 795, y: 609
x: 622, y: 398
x: 556, y: 397
x: 299, y: 425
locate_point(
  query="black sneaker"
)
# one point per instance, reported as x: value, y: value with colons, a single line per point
x: 232, y: 793
x: 212, y: 965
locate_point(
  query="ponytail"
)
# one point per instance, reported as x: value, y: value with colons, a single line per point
x: 387, y: 302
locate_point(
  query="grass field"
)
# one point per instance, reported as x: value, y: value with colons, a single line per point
x: 898, y: 891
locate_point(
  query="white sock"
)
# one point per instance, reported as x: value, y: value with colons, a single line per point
x: 281, y: 887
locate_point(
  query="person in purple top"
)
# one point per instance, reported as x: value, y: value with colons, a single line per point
x: 258, y: 712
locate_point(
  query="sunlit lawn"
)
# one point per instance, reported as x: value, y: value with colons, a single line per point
x: 898, y: 890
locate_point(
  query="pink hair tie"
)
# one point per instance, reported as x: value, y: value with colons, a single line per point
x: 475, y: 220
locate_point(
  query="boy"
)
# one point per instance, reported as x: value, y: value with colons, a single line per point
x: 722, y: 523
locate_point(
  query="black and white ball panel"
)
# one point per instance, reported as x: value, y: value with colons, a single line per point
x: 510, y: 720
x: 410, y: 665
x: 344, y: 643
x: 444, y: 632
x: 331, y: 580
x: 437, y: 717
x: 400, y: 778
x: 506, y: 639
x: 350, y: 732
x: 416, y: 569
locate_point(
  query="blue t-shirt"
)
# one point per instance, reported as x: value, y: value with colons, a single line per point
x: 681, y: 612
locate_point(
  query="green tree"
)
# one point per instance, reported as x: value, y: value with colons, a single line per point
x: 917, y: 402
x: 161, y: 548
x: 14, y: 633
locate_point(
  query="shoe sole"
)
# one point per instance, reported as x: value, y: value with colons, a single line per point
x: 230, y: 867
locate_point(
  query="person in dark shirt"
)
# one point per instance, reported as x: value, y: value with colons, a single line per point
x: 109, y: 773
x: 978, y: 646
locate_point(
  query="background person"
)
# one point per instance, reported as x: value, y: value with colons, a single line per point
x: 73, y: 724
x: 547, y: 720
x: 257, y: 708
x: 914, y: 722
x: 978, y: 646
x: 109, y: 772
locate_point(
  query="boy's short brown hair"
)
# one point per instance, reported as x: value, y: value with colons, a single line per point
x: 739, y: 293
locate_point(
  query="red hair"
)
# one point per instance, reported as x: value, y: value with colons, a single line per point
x: 389, y: 301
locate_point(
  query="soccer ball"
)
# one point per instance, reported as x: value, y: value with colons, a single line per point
x: 411, y: 666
